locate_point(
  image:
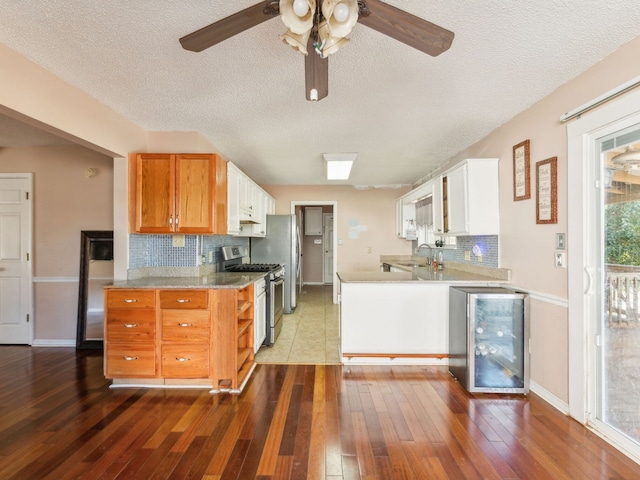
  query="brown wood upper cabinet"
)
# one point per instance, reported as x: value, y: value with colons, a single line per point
x: 178, y: 193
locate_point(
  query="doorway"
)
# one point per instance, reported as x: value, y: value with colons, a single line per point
x: 604, y: 272
x: 16, y: 276
x: 314, y: 253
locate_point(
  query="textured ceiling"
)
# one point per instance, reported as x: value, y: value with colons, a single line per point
x: 404, y: 112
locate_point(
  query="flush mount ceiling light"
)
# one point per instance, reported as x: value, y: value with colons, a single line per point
x: 338, y: 165
x: 321, y: 27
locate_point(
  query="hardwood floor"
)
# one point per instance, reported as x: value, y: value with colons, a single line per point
x: 60, y: 420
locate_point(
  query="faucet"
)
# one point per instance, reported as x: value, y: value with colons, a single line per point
x: 430, y: 251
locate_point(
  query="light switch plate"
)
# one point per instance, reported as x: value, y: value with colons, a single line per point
x: 561, y: 259
x: 561, y: 241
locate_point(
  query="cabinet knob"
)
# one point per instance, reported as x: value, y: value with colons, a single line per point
x: 130, y: 300
x: 185, y: 324
x: 128, y: 358
x: 182, y: 359
x: 131, y: 325
x: 183, y: 300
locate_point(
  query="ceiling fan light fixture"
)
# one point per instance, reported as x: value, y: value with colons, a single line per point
x: 341, y: 16
x: 629, y: 158
x: 297, y: 42
x: 329, y: 43
x: 299, y: 25
x: 301, y: 7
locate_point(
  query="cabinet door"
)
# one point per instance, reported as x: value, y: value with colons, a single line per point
x: 155, y: 199
x: 246, y: 198
x: 233, y: 200
x: 457, y: 200
x: 438, y: 227
x: 399, y: 218
x: 313, y: 221
x: 194, y: 193
x: 259, y: 229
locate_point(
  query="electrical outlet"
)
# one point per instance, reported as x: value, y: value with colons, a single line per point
x: 467, y: 255
x: 561, y: 259
x: 368, y: 249
x: 211, y: 256
x: 479, y: 257
x: 178, y: 241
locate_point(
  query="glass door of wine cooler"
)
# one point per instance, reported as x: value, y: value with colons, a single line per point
x: 488, y: 339
x: 497, y: 350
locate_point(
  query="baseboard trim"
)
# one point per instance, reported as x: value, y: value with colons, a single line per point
x: 549, y: 397
x: 53, y: 342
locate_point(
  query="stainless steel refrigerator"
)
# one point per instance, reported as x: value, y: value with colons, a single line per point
x: 281, y: 245
x: 489, y: 339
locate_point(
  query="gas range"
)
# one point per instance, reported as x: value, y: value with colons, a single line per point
x: 234, y: 257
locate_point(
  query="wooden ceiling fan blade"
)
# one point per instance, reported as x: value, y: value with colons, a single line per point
x: 228, y: 27
x: 405, y: 27
x: 316, y: 73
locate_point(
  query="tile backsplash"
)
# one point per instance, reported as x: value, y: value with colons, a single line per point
x: 488, y: 245
x: 158, y: 250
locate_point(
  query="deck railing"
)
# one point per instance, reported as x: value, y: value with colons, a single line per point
x: 622, y: 296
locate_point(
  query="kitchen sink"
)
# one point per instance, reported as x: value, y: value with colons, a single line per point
x: 411, y: 264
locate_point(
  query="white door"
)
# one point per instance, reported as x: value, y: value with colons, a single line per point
x: 327, y: 241
x: 604, y: 272
x: 15, y: 259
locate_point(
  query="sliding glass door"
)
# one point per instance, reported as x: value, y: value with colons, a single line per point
x: 616, y: 323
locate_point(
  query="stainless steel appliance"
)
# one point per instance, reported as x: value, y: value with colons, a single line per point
x: 274, y: 279
x: 281, y: 245
x: 488, y: 339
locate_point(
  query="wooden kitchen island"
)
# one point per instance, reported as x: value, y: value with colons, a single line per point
x: 181, y: 331
x: 401, y: 317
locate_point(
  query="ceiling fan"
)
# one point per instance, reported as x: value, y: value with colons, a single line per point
x: 322, y: 26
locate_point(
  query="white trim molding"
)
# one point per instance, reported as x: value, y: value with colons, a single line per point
x: 54, y: 342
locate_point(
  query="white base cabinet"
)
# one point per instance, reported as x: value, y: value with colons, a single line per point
x: 383, y: 319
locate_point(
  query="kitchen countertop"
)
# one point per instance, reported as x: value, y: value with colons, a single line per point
x: 213, y: 280
x: 418, y: 274
x: 453, y: 272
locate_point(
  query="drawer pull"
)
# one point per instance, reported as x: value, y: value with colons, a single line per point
x: 130, y: 300
x: 128, y: 358
x: 185, y: 324
x: 180, y: 300
x: 131, y: 325
x: 183, y: 359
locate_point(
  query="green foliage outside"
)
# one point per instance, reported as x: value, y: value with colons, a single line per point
x: 622, y: 235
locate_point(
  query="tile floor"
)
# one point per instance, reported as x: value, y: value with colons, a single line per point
x: 310, y: 333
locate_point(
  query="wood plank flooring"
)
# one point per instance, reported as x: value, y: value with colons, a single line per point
x: 60, y: 420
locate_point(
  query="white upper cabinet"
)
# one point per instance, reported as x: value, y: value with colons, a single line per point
x: 313, y: 221
x: 471, y: 202
x: 233, y: 199
x: 248, y: 205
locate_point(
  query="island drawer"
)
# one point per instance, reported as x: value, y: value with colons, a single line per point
x: 130, y: 360
x: 134, y: 298
x: 184, y: 299
x: 131, y: 325
x: 185, y: 361
x: 181, y: 326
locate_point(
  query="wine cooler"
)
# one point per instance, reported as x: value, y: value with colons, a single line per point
x: 488, y: 339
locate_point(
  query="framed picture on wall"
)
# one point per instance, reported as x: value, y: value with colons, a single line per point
x: 547, y: 190
x: 521, y: 172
